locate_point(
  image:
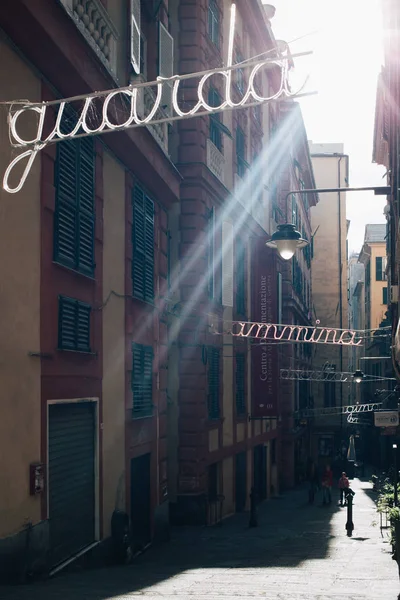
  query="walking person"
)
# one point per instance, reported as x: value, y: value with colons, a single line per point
x: 344, y: 484
x: 327, y: 482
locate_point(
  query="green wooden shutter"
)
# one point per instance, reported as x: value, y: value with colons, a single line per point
x: 213, y: 382
x: 211, y: 273
x: 142, y: 380
x: 240, y: 383
x: 66, y: 324
x: 143, y: 246
x: 86, y: 206
x: 149, y: 250
x: 379, y: 268
x: 66, y: 180
x: 73, y: 325
x: 83, y: 327
x: 384, y: 295
x: 74, y: 222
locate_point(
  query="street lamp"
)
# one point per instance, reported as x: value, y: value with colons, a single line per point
x: 358, y: 376
x: 287, y: 240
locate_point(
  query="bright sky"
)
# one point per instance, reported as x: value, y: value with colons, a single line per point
x: 346, y: 39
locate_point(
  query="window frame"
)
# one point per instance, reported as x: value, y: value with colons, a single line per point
x: 215, y: 132
x: 241, y: 163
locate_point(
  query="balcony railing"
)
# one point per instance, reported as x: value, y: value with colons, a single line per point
x: 215, y: 161
x: 94, y: 23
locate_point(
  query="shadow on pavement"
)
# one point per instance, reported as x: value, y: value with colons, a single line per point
x: 289, y: 532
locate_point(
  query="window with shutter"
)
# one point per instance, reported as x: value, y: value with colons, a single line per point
x: 242, y: 165
x: 74, y: 217
x: 379, y: 268
x: 143, y: 245
x: 135, y: 35
x: 142, y: 381
x: 166, y: 65
x: 384, y: 295
x: 73, y: 325
x: 213, y: 382
x: 240, y: 271
x: 240, y: 377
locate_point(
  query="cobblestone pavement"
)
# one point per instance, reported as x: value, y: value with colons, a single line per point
x: 298, y: 552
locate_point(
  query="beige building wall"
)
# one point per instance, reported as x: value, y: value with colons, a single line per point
x: 378, y: 309
x: 20, y: 310
x: 329, y: 272
x: 113, y: 340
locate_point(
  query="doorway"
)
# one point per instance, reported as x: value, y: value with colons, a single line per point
x: 140, y: 502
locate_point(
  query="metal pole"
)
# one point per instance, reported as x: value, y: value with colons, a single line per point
x: 349, y: 524
x: 378, y: 191
x: 395, y: 474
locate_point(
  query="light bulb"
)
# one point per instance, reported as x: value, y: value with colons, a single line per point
x: 286, y: 248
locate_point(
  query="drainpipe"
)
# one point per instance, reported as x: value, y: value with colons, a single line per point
x: 340, y: 266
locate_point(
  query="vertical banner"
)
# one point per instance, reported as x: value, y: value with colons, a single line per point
x: 264, y: 357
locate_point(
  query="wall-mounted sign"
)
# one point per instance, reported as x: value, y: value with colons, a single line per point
x: 386, y: 418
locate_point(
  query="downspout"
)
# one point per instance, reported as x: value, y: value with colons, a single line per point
x: 340, y: 292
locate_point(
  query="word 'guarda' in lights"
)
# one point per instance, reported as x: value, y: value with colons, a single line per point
x: 132, y: 97
x: 292, y: 333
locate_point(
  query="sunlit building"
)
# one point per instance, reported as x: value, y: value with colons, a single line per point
x: 329, y: 281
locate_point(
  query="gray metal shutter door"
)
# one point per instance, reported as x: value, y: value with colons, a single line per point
x: 71, y: 478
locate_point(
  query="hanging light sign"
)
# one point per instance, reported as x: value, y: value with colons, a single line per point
x: 292, y: 333
x: 94, y: 119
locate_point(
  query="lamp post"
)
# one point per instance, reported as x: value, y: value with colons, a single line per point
x: 287, y: 240
x: 395, y: 473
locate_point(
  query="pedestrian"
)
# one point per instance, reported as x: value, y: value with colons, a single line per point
x: 344, y: 484
x: 327, y: 482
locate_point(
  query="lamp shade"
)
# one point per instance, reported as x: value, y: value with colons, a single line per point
x: 358, y: 376
x: 287, y: 240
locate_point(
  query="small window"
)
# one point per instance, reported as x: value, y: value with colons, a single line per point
x: 142, y: 381
x: 240, y: 152
x: 384, y: 295
x: 240, y: 377
x: 330, y: 387
x: 73, y: 325
x: 295, y: 212
x: 213, y: 382
x: 213, y: 22
x: 380, y: 268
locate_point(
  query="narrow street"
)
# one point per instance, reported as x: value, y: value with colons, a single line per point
x: 298, y: 552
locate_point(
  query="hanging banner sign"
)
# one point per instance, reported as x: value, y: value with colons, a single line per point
x: 265, y: 367
x: 119, y: 109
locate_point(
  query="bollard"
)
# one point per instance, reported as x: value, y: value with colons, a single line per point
x: 349, y: 499
x: 253, y: 522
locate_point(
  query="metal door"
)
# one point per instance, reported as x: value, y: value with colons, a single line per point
x: 71, y: 453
